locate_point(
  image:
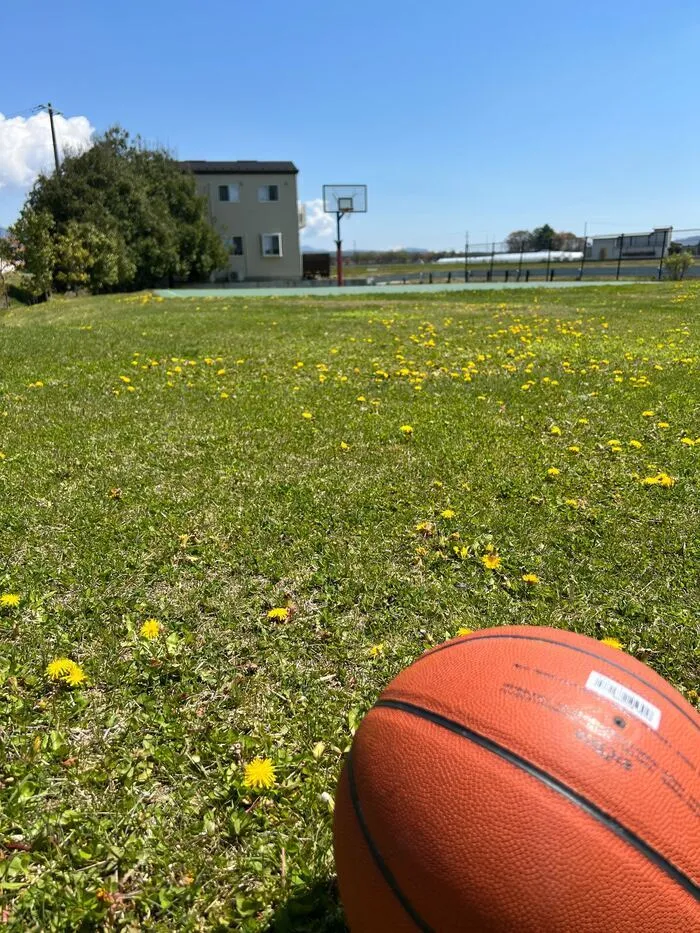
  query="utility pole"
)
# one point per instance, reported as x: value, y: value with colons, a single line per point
x: 50, y: 109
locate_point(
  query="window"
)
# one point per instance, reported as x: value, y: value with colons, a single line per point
x: 271, y: 244
x: 229, y: 193
x: 235, y: 245
x: 268, y: 193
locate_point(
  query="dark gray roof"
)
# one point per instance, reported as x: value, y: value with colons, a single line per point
x: 240, y: 168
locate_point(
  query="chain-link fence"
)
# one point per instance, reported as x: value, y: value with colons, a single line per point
x: 663, y: 253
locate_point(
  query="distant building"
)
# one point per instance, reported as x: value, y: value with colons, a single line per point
x: 652, y: 245
x: 253, y: 207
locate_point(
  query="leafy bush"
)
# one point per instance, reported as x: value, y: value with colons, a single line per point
x: 677, y: 264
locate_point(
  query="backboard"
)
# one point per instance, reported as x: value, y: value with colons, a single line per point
x: 345, y: 199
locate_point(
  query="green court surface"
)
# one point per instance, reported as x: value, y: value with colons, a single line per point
x: 325, y: 291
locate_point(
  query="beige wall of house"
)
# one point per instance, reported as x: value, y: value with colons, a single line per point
x: 261, y: 233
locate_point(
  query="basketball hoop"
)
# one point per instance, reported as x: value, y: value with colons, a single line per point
x: 341, y: 200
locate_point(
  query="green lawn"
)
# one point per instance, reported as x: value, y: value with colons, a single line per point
x: 158, y: 465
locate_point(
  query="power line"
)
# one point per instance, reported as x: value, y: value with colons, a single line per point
x: 21, y: 113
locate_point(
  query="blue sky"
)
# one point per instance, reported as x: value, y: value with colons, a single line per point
x: 458, y: 116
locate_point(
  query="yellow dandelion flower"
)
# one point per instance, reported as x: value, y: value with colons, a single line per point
x: 9, y: 600
x: 223, y: 395
x: 221, y: 372
x: 344, y: 446
x: 59, y: 668
x: 647, y: 414
x: 125, y: 379
x: 574, y: 449
x: 531, y: 578
x: 406, y: 429
x: 461, y: 551
x: 279, y: 614
x: 361, y: 398
x: 583, y: 421
x: 491, y: 561
x: 307, y: 415
x: 635, y: 444
x: 150, y: 629
x: 2, y: 455
x: 663, y: 424
x: 555, y: 430
x: 376, y: 650
x: 464, y: 631
x: 553, y: 471
x: 447, y: 513
x: 75, y: 676
x: 259, y: 774
x: 425, y: 528
x: 612, y: 643
x: 661, y: 479
x: 688, y: 441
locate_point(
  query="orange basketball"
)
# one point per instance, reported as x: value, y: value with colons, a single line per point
x: 523, y: 780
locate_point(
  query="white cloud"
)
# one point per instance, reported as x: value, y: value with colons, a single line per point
x: 319, y: 226
x: 26, y: 148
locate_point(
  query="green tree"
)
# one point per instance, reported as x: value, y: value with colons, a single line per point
x: 34, y: 233
x: 89, y: 257
x: 72, y: 257
x: 6, y: 265
x: 133, y: 210
x: 543, y: 237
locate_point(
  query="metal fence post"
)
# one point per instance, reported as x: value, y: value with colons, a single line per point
x: 619, y: 255
x: 493, y: 251
x: 549, y: 258
x: 663, y: 253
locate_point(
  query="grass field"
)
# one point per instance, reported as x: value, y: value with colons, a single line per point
x: 204, y: 462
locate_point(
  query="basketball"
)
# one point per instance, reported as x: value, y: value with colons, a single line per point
x: 522, y: 780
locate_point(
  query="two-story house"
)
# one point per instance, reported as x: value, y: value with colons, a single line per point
x: 253, y: 207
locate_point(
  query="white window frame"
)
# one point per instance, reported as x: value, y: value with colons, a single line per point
x: 262, y: 246
x: 264, y: 194
x: 232, y: 187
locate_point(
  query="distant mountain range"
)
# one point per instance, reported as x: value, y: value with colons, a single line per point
x: 689, y: 241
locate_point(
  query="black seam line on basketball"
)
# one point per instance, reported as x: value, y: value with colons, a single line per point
x: 472, y: 639
x: 377, y: 856
x: 553, y: 783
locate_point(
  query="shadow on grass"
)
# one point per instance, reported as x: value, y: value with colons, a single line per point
x: 315, y: 909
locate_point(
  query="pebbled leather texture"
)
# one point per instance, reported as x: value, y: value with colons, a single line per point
x: 491, y: 790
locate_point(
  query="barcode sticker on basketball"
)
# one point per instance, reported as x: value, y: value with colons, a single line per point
x: 624, y: 697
